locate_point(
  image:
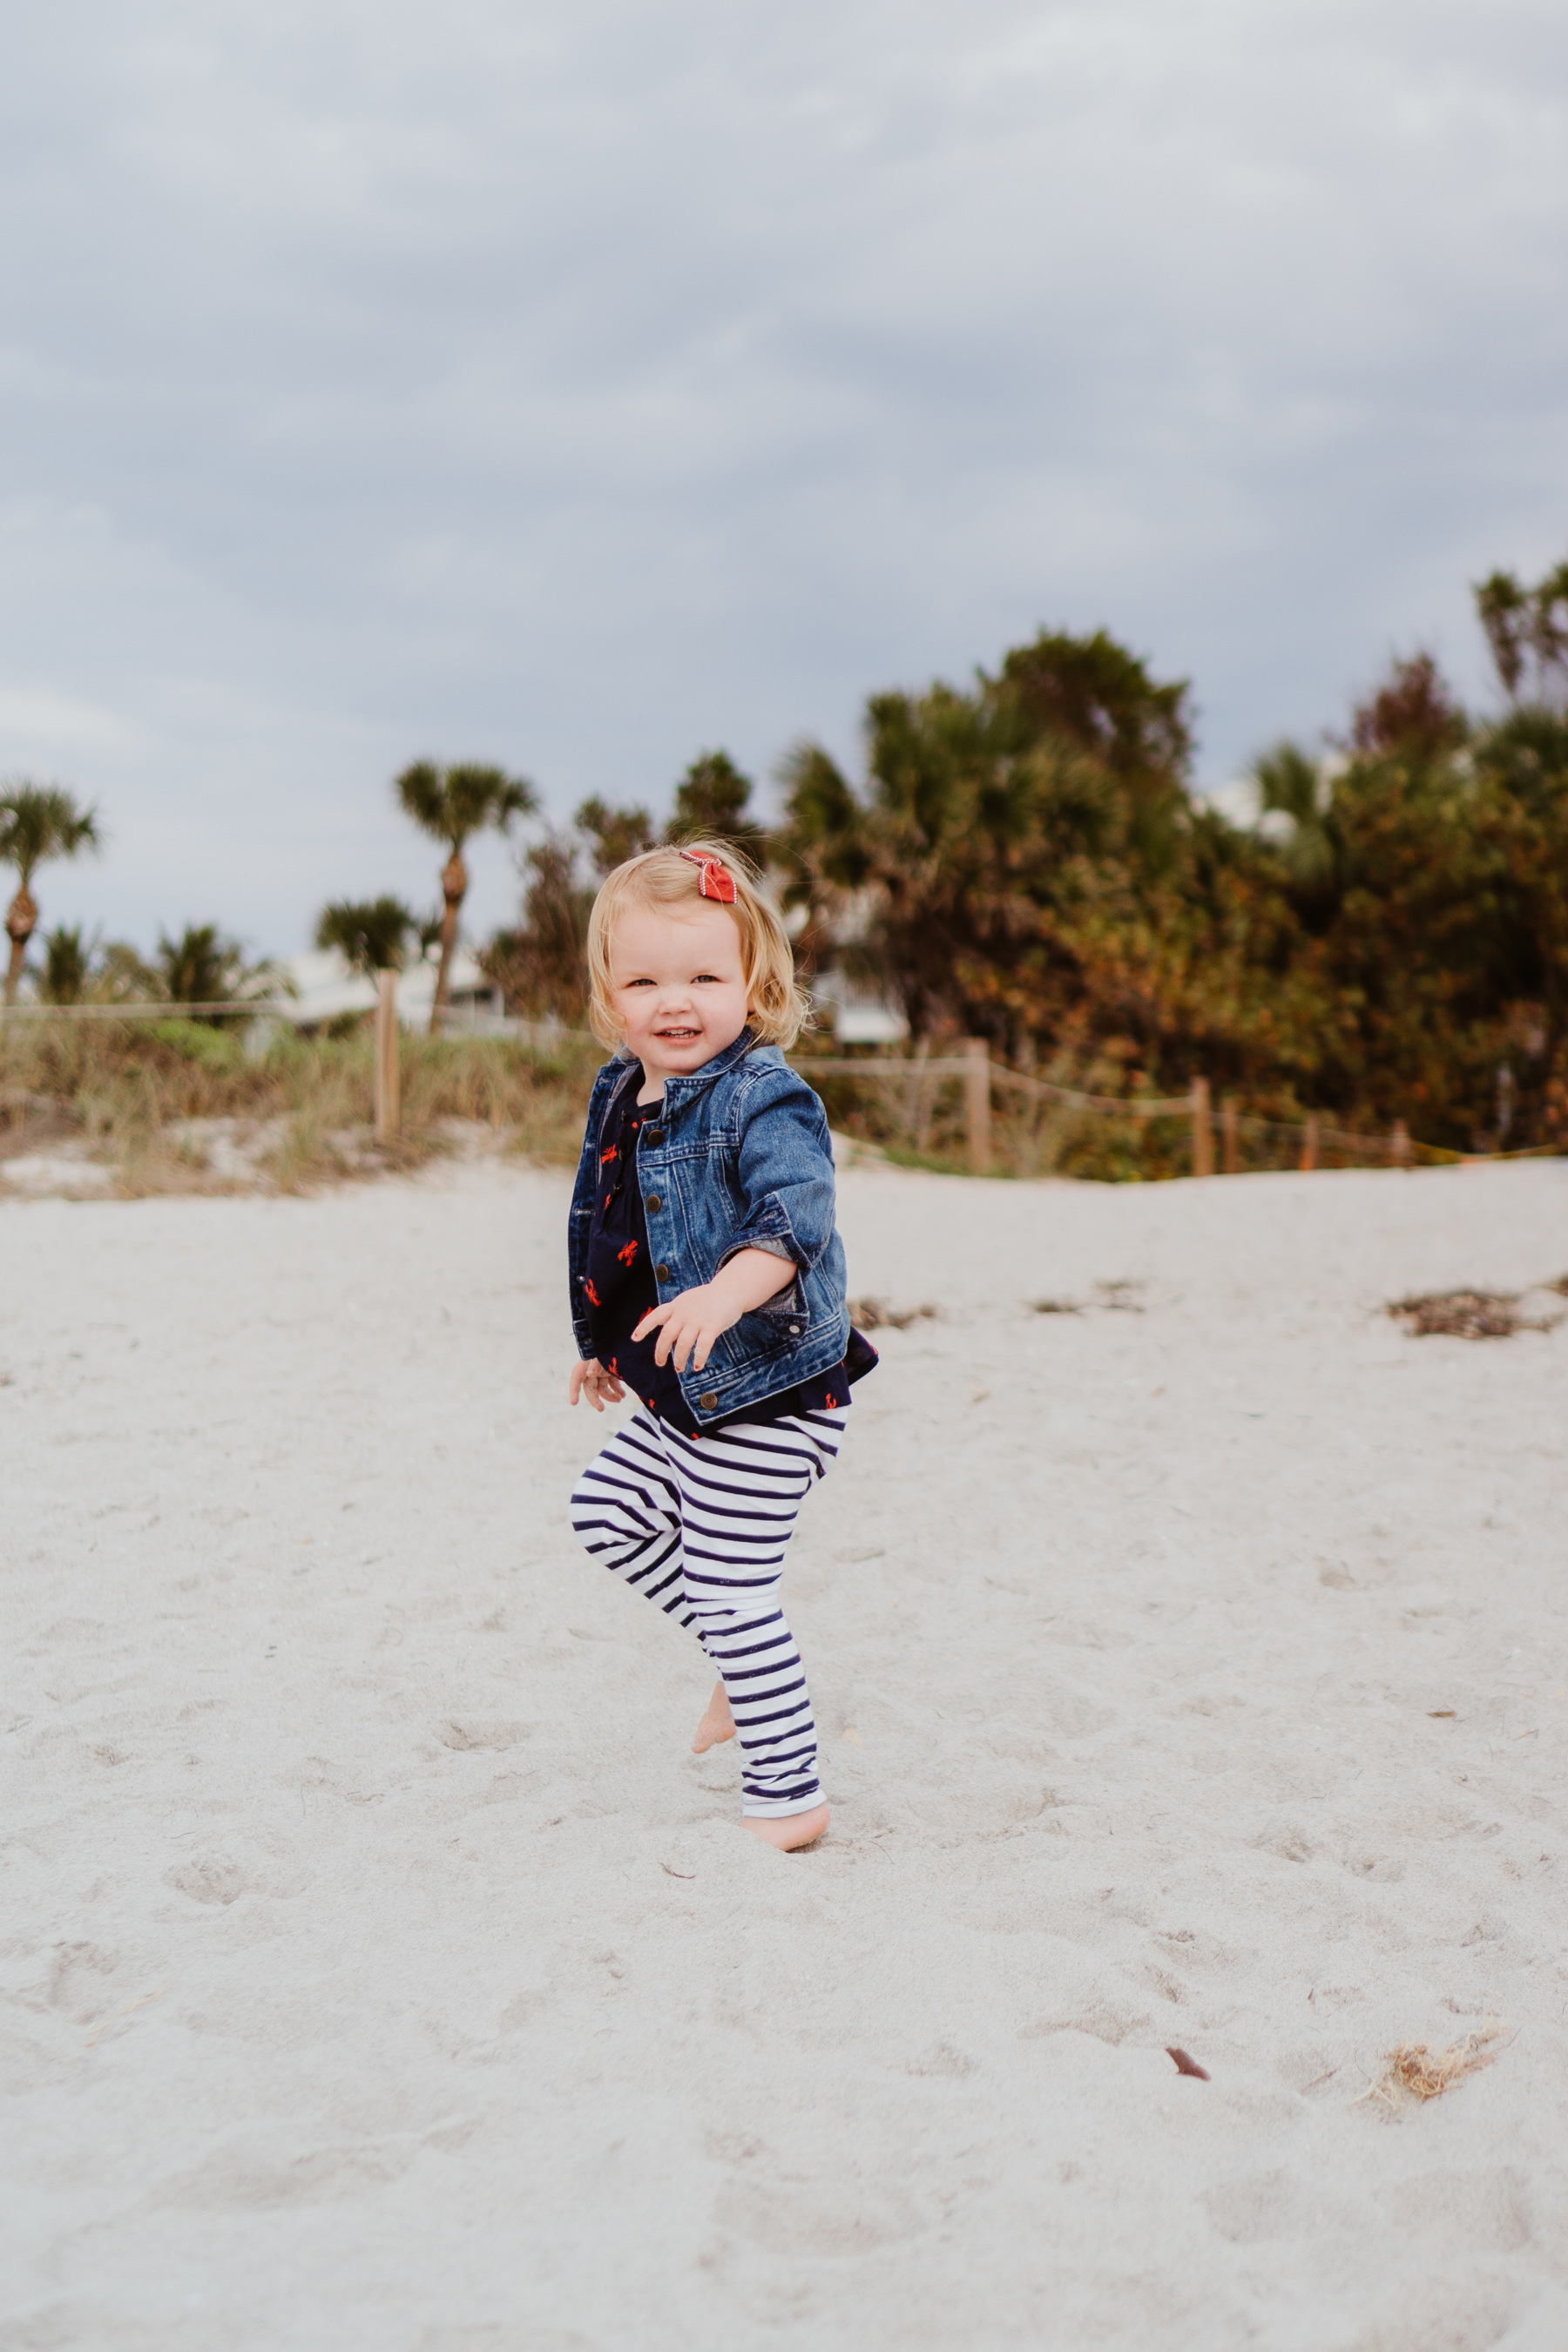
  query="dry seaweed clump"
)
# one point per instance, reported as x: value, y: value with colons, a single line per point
x: 1459, y: 1314
x: 876, y: 1315
x: 1115, y: 1297
x: 1466, y: 1314
x: 1413, y: 2070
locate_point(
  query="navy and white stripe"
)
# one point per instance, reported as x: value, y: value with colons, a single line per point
x: 699, y: 1526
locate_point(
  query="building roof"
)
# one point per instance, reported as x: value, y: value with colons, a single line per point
x: 326, y: 985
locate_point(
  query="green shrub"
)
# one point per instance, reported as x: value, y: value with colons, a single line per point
x: 217, y: 1051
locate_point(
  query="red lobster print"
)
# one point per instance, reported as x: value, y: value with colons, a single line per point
x: 626, y: 1254
x: 594, y: 1298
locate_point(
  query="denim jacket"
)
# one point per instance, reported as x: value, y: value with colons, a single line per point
x: 741, y: 1159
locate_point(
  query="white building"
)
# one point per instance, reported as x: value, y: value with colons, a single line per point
x: 859, y: 1015
x: 326, y: 985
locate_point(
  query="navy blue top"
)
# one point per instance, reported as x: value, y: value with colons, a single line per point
x: 621, y: 1289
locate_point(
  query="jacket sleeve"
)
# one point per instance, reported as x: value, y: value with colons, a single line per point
x: 785, y: 1172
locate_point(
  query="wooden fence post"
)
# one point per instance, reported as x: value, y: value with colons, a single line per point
x: 977, y: 1103
x: 1230, y: 1132
x: 1203, y: 1129
x: 1399, y: 1144
x: 917, y: 1106
x: 1309, y: 1141
x: 1025, y: 1061
x: 387, y: 1107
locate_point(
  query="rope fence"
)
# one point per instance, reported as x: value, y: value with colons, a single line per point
x: 156, y: 1008
x: 918, y: 1074
x: 1308, y: 1138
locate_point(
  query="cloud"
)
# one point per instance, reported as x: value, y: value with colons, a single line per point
x: 581, y: 388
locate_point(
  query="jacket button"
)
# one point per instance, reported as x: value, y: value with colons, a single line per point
x: 708, y: 1402
x: 654, y: 1135
x: 794, y: 1331
x: 654, y: 1203
x: 662, y: 1272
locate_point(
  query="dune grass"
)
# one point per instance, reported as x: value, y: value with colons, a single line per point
x: 184, y: 1106
x: 177, y: 1105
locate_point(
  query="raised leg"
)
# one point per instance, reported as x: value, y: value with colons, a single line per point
x: 741, y: 1491
x: 625, y: 1509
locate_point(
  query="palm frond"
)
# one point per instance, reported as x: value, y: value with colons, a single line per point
x: 38, y: 821
x: 372, y: 933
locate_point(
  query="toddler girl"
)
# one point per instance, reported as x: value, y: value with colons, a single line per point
x: 707, y: 1276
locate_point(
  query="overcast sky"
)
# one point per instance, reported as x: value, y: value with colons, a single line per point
x: 582, y: 387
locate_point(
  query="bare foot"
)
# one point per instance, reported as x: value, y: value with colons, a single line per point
x: 716, y: 1725
x: 790, y: 1830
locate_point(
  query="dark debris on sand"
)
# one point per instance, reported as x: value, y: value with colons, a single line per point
x: 876, y: 1315
x: 1470, y: 1314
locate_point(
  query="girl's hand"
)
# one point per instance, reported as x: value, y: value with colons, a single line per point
x: 691, y: 1324
x: 687, y: 1326
x: 591, y: 1379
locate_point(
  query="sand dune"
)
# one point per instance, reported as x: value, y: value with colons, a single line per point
x: 380, y: 1972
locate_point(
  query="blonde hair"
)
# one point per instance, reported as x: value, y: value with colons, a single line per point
x: 776, y: 1007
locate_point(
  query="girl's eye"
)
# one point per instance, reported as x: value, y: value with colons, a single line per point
x: 712, y: 976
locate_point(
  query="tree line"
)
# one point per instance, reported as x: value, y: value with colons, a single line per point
x: 1026, y: 858
x: 203, y: 965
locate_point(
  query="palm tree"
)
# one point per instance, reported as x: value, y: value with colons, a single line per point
x: 203, y: 967
x: 36, y: 822
x: 67, y: 964
x: 1522, y: 621
x: 613, y: 833
x: 540, y: 967
x: 1294, y: 787
x: 371, y: 934
x: 711, y: 804
x: 451, y: 804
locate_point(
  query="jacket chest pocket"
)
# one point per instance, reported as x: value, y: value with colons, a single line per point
x: 723, y: 1175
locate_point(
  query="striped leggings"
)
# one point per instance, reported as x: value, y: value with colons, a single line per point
x: 699, y: 1526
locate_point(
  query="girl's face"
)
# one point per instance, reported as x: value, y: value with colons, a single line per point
x: 677, y: 985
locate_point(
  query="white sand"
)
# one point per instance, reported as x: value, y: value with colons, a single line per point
x: 349, y: 1999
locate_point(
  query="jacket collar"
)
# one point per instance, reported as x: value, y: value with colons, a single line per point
x: 686, y: 1089
x: 681, y: 1090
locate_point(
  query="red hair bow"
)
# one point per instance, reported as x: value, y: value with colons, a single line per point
x: 716, y: 881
